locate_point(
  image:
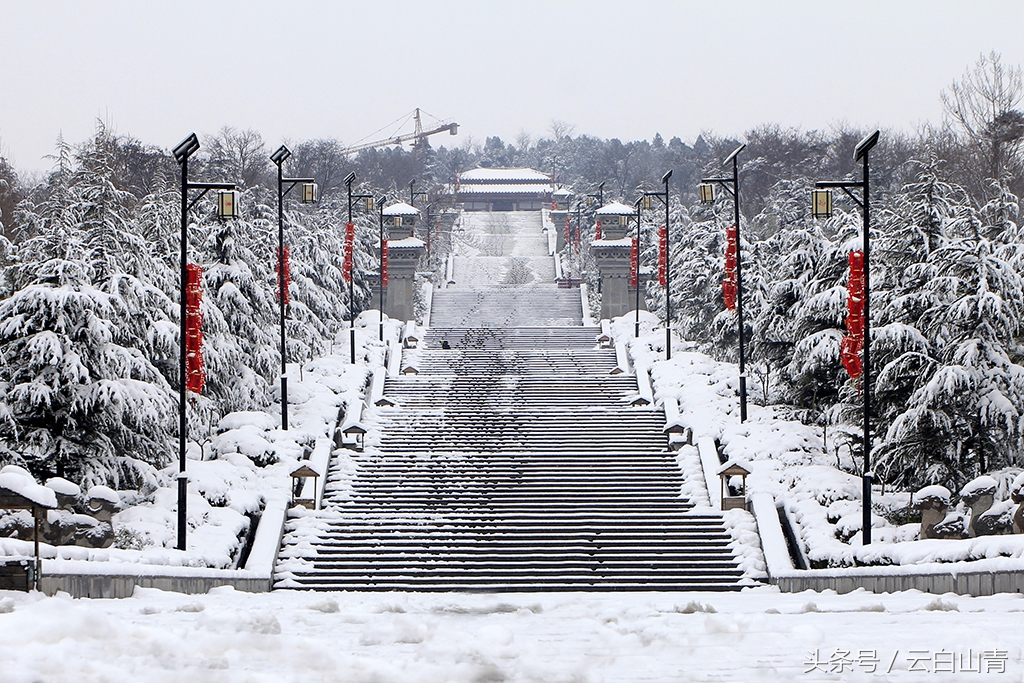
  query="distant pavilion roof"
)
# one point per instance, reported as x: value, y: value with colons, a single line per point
x: 504, y: 175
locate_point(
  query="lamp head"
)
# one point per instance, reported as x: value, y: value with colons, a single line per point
x: 733, y: 155
x: 665, y: 177
x: 865, y: 145
x: 186, y: 148
x: 280, y: 155
x: 349, y: 178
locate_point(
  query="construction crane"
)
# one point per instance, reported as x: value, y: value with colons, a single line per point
x: 418, y: 136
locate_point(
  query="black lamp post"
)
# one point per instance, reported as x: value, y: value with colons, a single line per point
x: 349, y: 179
x: 822, y: 208
x: 734, y: 190
x: 413, y: 194
x: 599, y: 195
x: 636, y: 327
x: 182, y: 152
x: 380, y: 279
x: 663, y: 196
x: 309, y: 191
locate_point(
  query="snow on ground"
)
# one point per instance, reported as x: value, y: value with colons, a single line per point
x: 504, y: 247
x: 303, y: 637
x: 244, y: 465
x: 789, y: 461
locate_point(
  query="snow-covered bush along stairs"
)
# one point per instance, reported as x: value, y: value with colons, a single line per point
x: 511, y: 458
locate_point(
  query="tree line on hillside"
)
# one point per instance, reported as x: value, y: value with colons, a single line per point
x: 88, y: 316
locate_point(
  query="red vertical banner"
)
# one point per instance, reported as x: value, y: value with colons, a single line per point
x: 576, y: 238
x: 350, y: 239
x: 384, y: 263
x: 853, y: 341
x: 554, y: 205
x: 634, y: 263
x: 662, y: 256
x: 597, y: 230
x: 282, y: 264
x: 195, y: 376
x: 729, y: 286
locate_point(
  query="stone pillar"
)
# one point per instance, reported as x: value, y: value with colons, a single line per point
x: 404, y: 254
x: 612, y: 253
x: 560, y: 200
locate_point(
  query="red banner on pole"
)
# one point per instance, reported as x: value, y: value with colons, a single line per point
x: 282, y: 263
x: 634, y: 263
x: 195, y: 376
x: 662, y: 256
x: 729, y: 286
x: 597, y: 231
x: 853, y: 341
x: 350, y: 239
x: 384, y: 264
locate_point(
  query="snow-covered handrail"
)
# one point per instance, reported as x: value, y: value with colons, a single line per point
x: 449, y: 270
x: 643, y: 386
x: 558, y: 266
x: 773, y: 540
x: 377, y: 397
x: 622, y: 364
x: 709, y: 462
x: 428, y: 296
x: 394, y: 358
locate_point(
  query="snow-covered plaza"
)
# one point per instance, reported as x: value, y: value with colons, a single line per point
x: 295, y: 637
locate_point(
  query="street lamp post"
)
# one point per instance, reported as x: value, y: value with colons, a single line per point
x: 734, y: 190
x: 636, y: 328
x: 413, y: 194
x: 380, y: 279
x: 349, y: 179
x: 308, y: 196
x: 182, y: 152
x: 861, y: 153
x: 663, y: 196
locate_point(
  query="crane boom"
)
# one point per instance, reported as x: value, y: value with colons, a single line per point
x: 418, y: 136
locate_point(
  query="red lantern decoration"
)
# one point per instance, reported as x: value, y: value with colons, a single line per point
x: 634, y: 263
x: 662, y: 256
x: 350, y: 238
x: 729, y: 286
x: 384, y: 264
x: 195, y: 376
x: 597, y: 230
x: 853, y: 341
x: 554, y: 205
x: 282, y: 263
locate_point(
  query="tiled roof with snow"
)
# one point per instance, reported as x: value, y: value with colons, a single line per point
x: 504, y: 175
x: 401, y: 209
x: 562, y: 192
x: 615, y: 209
x: 510, y: 188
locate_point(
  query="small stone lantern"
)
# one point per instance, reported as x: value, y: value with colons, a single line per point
x: 612, y: 252
x: 404, y: 253
x: 727, y: 471
x: 299, y: 476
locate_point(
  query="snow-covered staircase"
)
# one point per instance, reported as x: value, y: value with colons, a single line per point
x: 514, y: 456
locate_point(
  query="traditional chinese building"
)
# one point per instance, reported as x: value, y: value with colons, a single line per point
x: 503, y: 189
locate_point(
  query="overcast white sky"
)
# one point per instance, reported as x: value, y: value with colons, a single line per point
x: 613, y: 68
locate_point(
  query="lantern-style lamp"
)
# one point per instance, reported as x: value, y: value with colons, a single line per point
x: 646, y: 203
x: 707, y: 193
x: 310, y: 193
x: 227, y: 204
x: 821, y: 203
x: 369, y: 203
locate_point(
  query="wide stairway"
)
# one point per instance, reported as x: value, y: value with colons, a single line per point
x: 518, y: 457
